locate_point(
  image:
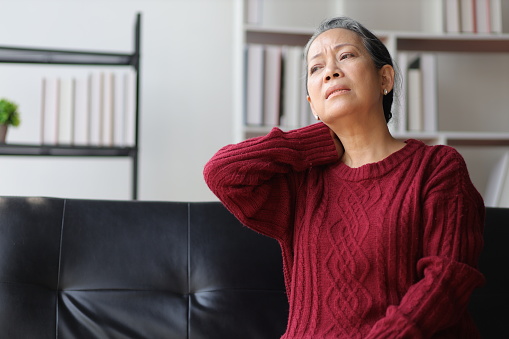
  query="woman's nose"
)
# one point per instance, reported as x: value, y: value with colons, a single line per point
x: 334, y: 75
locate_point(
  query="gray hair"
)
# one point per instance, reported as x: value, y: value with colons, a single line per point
x: 376, y: 48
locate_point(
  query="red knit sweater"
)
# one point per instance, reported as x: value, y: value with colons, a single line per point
x: 386, y: 250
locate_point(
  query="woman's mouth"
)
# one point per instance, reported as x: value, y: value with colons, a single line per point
x: 335, y: 92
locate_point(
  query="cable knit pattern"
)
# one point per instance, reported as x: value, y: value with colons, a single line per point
x: 386, y: 250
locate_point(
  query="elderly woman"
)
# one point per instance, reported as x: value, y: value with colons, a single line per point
x: 380, y: 238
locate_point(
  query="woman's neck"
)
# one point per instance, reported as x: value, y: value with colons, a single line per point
x: 365, y: 145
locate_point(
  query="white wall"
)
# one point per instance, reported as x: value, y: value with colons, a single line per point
x: 186, y: 86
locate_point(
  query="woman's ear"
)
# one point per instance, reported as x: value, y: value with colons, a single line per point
x: 312, y: 108
x: 387, y: 77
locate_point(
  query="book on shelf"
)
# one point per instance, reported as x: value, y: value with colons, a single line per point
x: 43, y: 104
x: 468, y: 16
x: 452, y: 16
x: 417, y: 109
x: 81, y: 129
x: 253, y: 11
x: 476, y: 16
x: 129, y: 99
x: 65, y: 118
x: 429, y: 91
x: 254, y: 84
x: 272, y: 85
x: 50, y: 110
x: 483, y: 16
x: 499, y: 16
x: 107, y: 110
x: 306, y: 116
x: 96, y: 107
x: 433, y: 12
x: 119, y: 107
x: 292, y: 88
x: 497, y: 190
x: 415, y: 96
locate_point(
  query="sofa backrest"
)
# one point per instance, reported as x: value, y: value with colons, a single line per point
x: 124, y: 269
x: 489, y: 305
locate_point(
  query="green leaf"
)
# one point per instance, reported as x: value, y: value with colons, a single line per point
x: 9, y: 114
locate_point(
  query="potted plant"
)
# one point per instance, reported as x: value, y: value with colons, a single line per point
x: 9, y: 115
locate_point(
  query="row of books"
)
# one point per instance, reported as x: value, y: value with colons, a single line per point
x: 94, y: 110
x: 448, y: 16
x: 419, y: 98
x: 275, y: 87
x: 276, y: 92
x: 476, y: 16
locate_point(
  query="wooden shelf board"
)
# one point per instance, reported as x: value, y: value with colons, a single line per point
x: 458, y: 138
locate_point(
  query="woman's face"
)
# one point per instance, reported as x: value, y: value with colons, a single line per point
x: 342, y: 77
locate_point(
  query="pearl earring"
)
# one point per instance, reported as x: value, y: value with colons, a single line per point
x: 385, y: 91
x: 316, y: 116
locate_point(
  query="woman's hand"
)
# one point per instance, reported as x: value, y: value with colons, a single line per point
x: 339, y: 146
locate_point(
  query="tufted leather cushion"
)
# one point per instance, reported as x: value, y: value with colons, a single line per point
x: 125, y: 269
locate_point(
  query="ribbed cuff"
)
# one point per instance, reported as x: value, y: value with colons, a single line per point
x: 315, y: 144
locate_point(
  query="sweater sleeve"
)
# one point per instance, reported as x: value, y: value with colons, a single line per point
x: 257, y: 178
x: 453, y: 215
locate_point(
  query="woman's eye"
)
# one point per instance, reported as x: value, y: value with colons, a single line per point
x: 345, y: 56
x: 313, y: 69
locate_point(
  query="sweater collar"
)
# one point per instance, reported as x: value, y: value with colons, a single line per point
x: 379, y: 168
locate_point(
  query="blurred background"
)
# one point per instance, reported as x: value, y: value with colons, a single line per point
x: 191, y: 83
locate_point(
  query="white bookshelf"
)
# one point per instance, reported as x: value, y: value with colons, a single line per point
x: 472, y: 113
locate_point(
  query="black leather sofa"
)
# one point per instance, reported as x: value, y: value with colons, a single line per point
x: 91, y: 269
x: 132, y: 269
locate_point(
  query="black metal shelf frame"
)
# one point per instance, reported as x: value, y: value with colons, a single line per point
x: 20, y: 55
x: 64, y: 150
